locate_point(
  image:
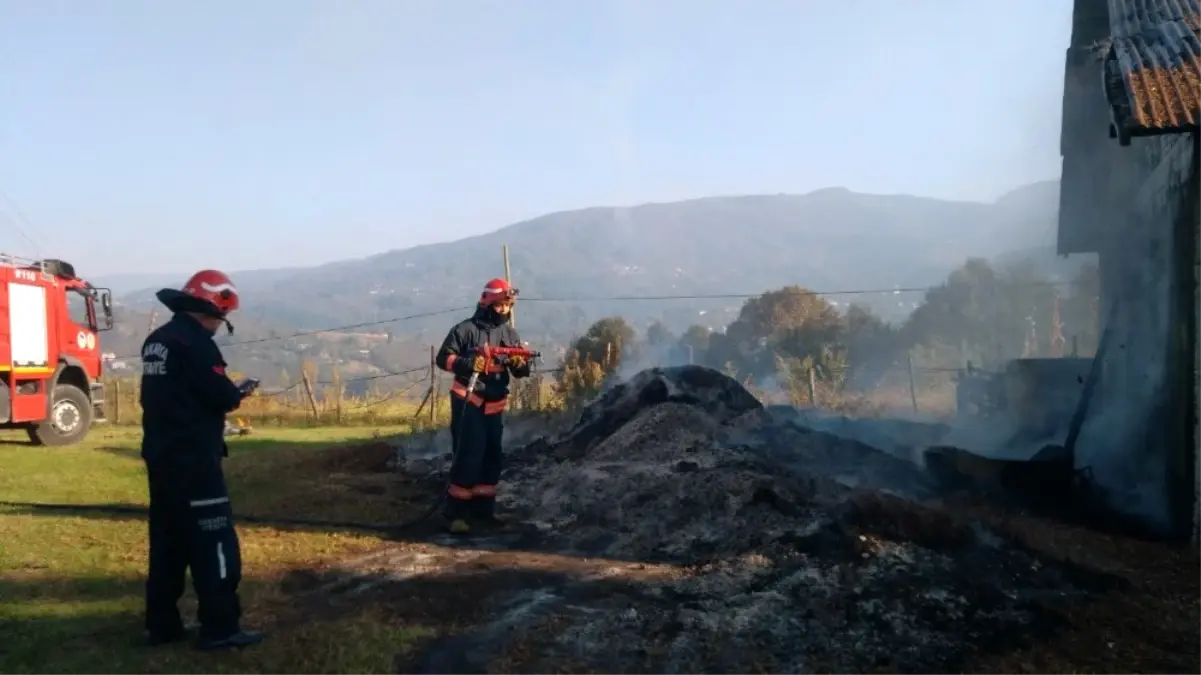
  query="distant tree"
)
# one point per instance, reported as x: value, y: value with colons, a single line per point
x: 791, y: 321
x: 579, y: 380
x: 872, y: 346
x: 658, y: 335
x: 694, y: 344
x: 787, y: 308
x: 985, y: 315
x: 607, y: 341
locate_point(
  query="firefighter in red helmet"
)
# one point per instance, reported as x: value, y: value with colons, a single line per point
x: 185, y: 396
x: 476, y: 420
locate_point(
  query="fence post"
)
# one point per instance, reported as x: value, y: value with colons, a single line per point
x: 338, y: 419
x: 912, y: 385
x: 434, y: 396
x: 812, y: 387
x: 426, y: 399
x: 116, y: 401
x: 300, y: 390
x: 308, y: 392
x: 433, y: 385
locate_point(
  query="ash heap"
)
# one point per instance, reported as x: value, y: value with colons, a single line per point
x: 681, y: 526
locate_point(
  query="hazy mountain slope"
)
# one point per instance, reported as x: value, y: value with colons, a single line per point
x: 127, y: 283
x: 826, y: 240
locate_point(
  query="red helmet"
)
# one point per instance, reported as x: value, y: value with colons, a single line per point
x: 497, y: 290
x: 208, y: 292
x: 215, y: 288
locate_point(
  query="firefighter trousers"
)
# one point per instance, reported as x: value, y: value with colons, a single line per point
x: 478, y: 460
x: 191, y: 526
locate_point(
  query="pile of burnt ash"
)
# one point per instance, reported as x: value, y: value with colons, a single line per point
x: 796, y: 550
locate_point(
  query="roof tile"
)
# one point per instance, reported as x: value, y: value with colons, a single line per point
x: 1153, y: 66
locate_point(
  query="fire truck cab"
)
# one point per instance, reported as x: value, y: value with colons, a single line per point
x: 50, y: 359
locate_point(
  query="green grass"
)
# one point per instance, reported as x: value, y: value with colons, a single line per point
x: 71, y: 585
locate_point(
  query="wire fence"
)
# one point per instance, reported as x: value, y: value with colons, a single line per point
x: 418, y: 398
x: 300, y: 403
x: 416, y: 395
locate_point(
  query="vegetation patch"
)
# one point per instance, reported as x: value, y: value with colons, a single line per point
x: 71, y: 584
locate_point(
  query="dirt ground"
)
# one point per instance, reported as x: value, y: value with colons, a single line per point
x: 679, y: 527
x: 484, y: 593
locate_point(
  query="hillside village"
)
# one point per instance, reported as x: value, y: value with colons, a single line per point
x: 1016, y: 230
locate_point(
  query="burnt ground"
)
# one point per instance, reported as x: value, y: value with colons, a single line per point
x: 681, y: 527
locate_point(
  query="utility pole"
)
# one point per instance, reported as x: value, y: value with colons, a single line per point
x: 512, y: 310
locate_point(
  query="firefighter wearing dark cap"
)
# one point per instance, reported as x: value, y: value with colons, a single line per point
x: 185, y: 396
x: 477, y: 417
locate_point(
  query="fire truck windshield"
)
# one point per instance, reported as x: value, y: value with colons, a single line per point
x: 104, y: 297
x: 90, y: 307
x: 79, y: 308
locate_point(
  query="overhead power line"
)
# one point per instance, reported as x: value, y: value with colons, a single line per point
x: 352, y: 326
x: 15, y: 222
x: 365, y: 378
x: 744, y: 296
x: 335, y: 329
x: 612, y: 298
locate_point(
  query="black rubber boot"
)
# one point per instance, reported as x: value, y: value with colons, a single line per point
x: 157, y: 638
x: 456, y: 513
x: 239, y: 640
x: 176, y: 633
x: 484, y: 513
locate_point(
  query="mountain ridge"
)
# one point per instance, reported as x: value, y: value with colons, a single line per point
x: 832, y: 238
x: 123, y: 283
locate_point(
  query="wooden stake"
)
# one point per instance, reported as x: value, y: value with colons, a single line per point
x: 812, y: 387
x: 433, y: 385
x: 424, y: 400
x: 116, y: 401
x: 308, y: 392
x: 337, y: 385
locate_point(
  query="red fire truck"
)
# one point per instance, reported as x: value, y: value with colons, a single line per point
x: 49, y: 354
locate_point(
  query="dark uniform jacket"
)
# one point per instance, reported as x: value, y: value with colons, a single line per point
x: 185, y: 395
x: 485, y: 327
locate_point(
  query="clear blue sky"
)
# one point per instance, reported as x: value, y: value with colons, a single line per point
x: 165, y: 135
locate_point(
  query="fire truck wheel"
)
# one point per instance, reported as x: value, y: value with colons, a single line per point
x: 69, y: 421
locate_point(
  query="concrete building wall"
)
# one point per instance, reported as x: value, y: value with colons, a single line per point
x: 1135, y: 440
x: 1136, y: 207
x: 1191, y: 258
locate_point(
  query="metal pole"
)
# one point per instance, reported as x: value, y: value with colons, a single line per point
x: 512, y: 310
